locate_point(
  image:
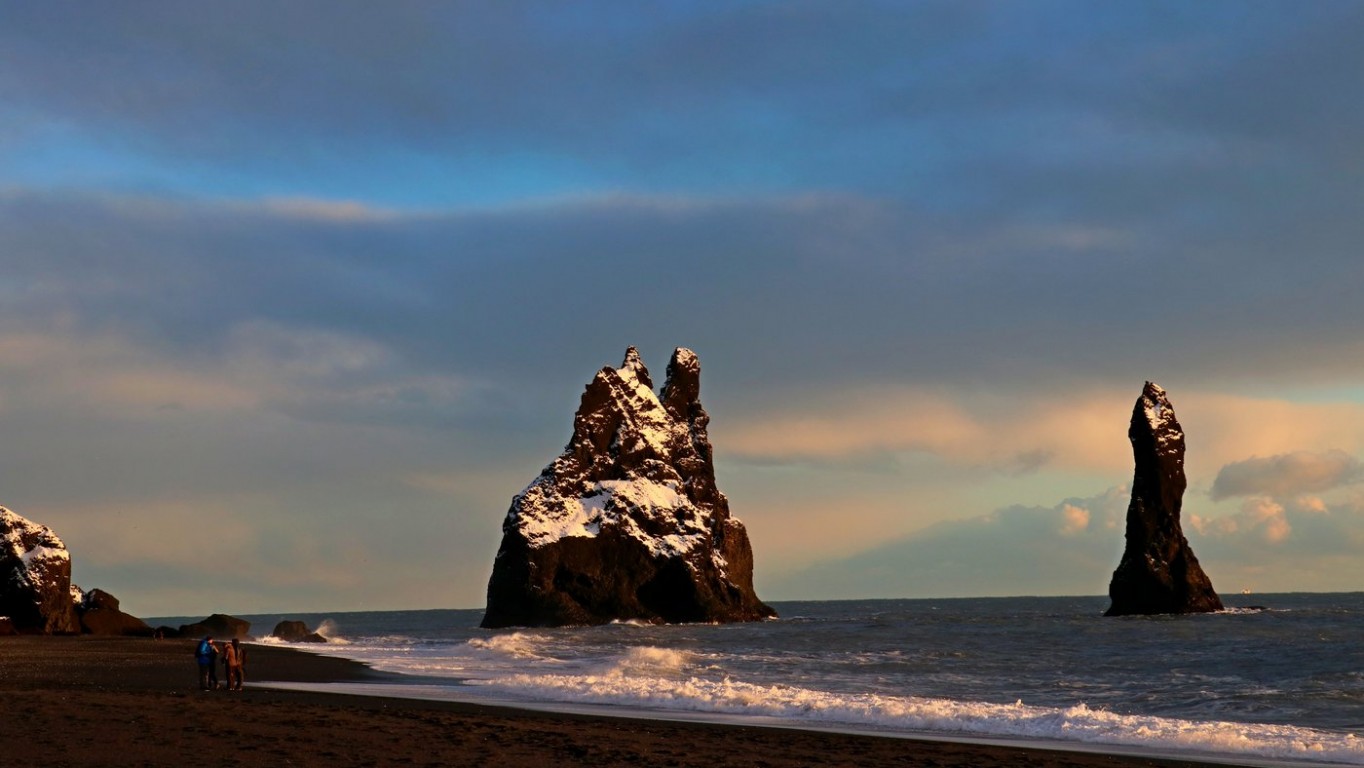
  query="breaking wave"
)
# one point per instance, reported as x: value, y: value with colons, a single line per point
x: 517, y: 644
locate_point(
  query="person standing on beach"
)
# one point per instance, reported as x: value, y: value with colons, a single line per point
x: 234, y: 656
x: 212, y: 666
x: 205, y: 654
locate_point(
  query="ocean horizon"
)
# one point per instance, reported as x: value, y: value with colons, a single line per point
x: 1273, y: 680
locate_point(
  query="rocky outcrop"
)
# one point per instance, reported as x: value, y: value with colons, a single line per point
x: 35, y: 578
x: 220, y: 626
x: 100, y: 615
x: 627, y: 524
x: 1158, y: 572
x: 296, y: 632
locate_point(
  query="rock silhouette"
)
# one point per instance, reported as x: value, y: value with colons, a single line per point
x: 100, y: 615
x: 296, y: 632
x: 627, y: 524
x: 219, y: 625
x: 1158, y: 572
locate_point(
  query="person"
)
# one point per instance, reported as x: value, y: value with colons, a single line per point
x: 235, y: 658
x: 212, y: 666
x: 204, y: 654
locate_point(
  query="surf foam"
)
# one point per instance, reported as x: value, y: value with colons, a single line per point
x: 913, y: 714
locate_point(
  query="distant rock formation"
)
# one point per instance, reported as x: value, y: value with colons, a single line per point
x: 296, y: 632
x: 220, y: 626
x: 627, y: 524
x: 35, y: 578
x: 100, y: 615
x: 1158, y: 572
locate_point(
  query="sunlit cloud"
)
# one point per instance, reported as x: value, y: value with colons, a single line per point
x: 1260, y: 516
x: 924, y: 304
x: 1014, y: 550
x: 1081, y: 430
x: 260, y: 366
x: 1076, y: 519
x: 1037, y: 432
x: 335, y: 211
x: 1287, y: 474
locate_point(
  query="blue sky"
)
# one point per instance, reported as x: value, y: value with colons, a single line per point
x: 293, y: 299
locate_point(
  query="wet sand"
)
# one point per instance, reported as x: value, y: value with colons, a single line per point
x: 86, y: 701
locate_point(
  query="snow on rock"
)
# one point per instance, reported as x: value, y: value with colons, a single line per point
x: 35, y: 577
x: 627, y: 523
x: 1158, y: 572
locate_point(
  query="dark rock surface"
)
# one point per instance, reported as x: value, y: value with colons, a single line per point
x: 1158, y: 572
x: 100, y: 615
x: 7, y: 627
x: 296, y: 632
x: 219, y: 626
x: 627, y: 524
x: 35, y: 578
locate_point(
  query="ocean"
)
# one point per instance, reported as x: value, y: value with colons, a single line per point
x: 1279, y: 686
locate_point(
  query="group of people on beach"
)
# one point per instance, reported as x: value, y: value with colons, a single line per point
x: 234, y: 663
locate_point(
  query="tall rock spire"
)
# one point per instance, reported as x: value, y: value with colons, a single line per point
x: 1158, y: 572
x: 628, y: 522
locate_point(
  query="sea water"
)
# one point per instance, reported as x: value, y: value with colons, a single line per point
x: 1282, y: 685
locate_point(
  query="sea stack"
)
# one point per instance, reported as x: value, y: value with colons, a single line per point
x: 1158, y: 573
x: 35, y: 578
x: 627, y: 524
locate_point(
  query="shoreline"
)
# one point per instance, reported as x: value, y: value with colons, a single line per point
x: 96, y: 701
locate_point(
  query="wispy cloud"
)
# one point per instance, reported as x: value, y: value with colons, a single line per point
x: 1287, y: 474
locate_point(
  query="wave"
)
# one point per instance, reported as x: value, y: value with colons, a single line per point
x: 1078, y: 723
x: 516, y: 644
x: 329, y: 630
x: 648, y: 661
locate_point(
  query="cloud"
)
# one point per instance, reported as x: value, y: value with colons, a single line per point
x: 1306, y: 544
x: 157, y: 348
x: 1076, y: 519
x: 1072, y: 548
x: 1038, y: 431
x: 1287, y: 474
x: 1261, y: 517
x: 1068, y: 549
x: 1083, y: 432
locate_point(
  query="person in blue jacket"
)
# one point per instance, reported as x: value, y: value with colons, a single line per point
x: 206, y: 653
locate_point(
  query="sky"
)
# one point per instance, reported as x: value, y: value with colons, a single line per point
x: 295, y: 297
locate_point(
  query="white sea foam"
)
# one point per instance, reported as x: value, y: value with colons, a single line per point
x: 852, y: 666
x: 329, y: 630
x: 913, y: 714
x: 517, y: 644
x: 648, y: 661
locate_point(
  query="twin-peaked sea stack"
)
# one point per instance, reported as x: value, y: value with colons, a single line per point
x: 627, y: 524
x: 1158, y: 573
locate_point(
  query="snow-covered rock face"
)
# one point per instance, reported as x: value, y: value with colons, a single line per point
x: 1160, y: 418
x: 35, y: 577
x: 1158, y: 572
x: 627, y: 523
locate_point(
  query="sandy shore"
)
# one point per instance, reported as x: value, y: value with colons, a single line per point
x: 79, y: 701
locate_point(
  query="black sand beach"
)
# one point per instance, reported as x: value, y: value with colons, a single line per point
x: 78, y: 701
